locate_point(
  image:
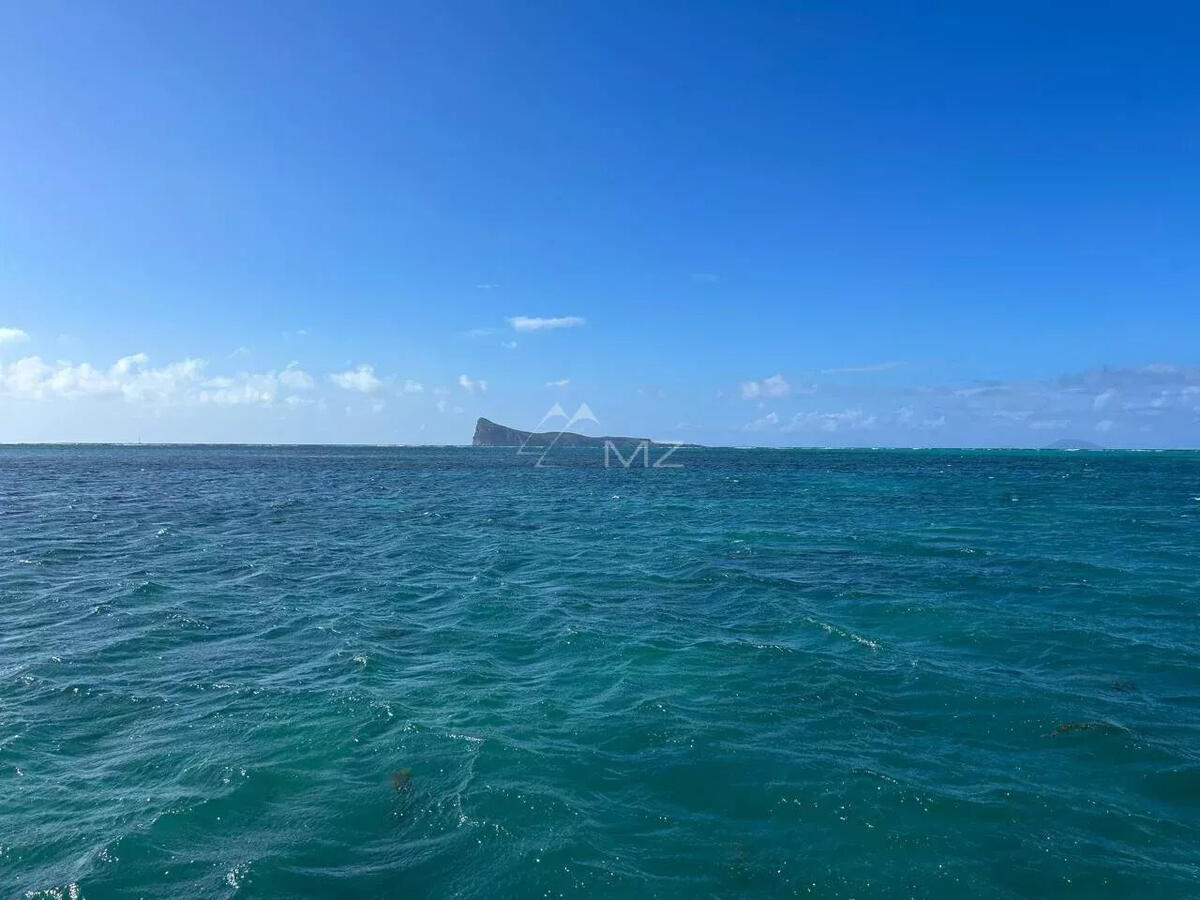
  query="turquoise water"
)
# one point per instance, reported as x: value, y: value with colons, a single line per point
x: 766, y: 673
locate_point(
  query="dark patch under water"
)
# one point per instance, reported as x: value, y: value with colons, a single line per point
x: 446, y: 673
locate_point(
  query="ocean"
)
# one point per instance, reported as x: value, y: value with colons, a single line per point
x: 454, y: 672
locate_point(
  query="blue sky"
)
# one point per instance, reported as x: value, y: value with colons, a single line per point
x: 811, y: 224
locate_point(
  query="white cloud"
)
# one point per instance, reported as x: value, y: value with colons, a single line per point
x: 256, y: 388
x: 535, y: 323
x: 1111, y: 400
x: 509, y: 345
x: 830, y: 421
x: 770, y: 420
x: 981, y: 390
x: 33, y: 379
x: 134, y: 380
x: 774, y: 386
x: 360, y: 379
x: 1013, y: 415
x: 12, y: 336
x: 413, y: 387
x: 467, y: 384
x: 561, y: 383
x: 295, y: 378
x: 126, y: 364
x: 79, y: 380
x: 873, y: 367
x: 248, y: 390
x: 165, y: 385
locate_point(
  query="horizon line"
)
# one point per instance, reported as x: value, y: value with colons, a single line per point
x: 682, y: 445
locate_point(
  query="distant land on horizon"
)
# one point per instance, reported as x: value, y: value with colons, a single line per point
x: 492, y: 434
x: 1073, y: 444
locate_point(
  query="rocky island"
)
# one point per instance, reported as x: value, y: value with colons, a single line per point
x: 491, y: 434
x: 1073, y: 444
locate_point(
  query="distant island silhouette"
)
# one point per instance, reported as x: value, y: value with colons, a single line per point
x: 1073, y: 444
x: 492, y: 434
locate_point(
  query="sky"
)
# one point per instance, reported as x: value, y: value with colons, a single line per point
x: 809, y: 224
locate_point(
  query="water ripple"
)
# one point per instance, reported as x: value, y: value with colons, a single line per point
x: 766, y: 673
